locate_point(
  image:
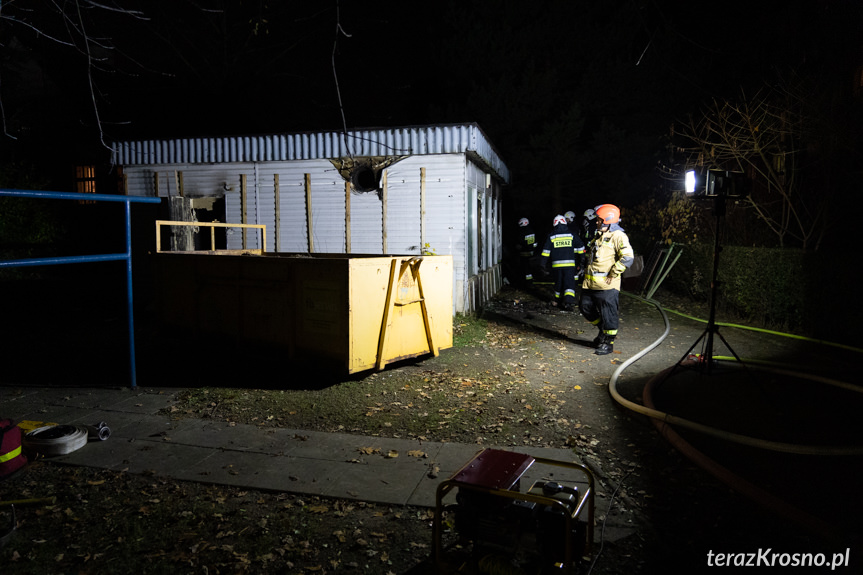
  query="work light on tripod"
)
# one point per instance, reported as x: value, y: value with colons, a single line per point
x: 712, y: 183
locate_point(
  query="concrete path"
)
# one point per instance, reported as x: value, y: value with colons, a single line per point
x: 144, y: 439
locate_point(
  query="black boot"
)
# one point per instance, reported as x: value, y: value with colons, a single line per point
x: 598, y: 339
x: 605, y: 346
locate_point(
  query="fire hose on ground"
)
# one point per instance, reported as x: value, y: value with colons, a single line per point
x: 663, y: 422
x: 53, y: 440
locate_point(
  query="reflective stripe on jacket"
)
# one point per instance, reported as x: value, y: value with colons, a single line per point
x: 562, y: 247
x: 526, y: 244
x: 609, y: 254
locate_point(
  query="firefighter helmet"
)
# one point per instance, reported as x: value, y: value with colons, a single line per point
x: 523, y: 223
x: 558, y: 219
x: 590, y: 213
x: 570, y: 216
x: 608, y: 213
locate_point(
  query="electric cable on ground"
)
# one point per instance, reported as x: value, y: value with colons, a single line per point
x: 604, y: 520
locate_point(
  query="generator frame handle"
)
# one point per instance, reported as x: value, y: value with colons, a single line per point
x: 587, y: 500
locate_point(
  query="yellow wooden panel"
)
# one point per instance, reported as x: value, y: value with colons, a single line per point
x: 406, y: 335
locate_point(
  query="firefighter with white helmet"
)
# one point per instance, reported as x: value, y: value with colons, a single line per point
x: 526, y: 247
x: 565, y: 251
x: 571, y: 223
x: 587, y: 224
x: 609, y: 254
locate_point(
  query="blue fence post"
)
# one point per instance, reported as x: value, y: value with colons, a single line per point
x: 127, y: 256
x: 129, y: 302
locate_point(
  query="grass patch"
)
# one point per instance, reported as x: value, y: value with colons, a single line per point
x: 468, y: 330
x: 440, y: 404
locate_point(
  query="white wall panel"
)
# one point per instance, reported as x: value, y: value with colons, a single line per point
x: 328, y: 214
x: 366, y: 222
x: 293, y: 227
x: 403, y: 209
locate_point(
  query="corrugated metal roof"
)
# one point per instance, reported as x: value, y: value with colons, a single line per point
x: 403, y: 141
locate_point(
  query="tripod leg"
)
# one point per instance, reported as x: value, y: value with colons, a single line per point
x: 731, y: 349
x: 691, y: 347
x: 680, y: 361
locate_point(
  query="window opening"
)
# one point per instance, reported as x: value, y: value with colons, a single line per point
x: 85, y: 182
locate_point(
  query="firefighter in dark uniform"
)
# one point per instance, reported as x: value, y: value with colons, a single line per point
x: 609, y: 254
x: 526, y: 247
x: 588, y: 225
x: 570, y: 222
x: 565, y: 252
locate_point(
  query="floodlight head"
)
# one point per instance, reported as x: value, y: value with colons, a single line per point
x: 711, y: 183
x: 689, y: 182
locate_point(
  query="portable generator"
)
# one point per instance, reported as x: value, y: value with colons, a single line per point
x: 501, y: 529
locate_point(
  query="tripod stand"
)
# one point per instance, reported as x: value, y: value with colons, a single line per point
x: 706, y: 362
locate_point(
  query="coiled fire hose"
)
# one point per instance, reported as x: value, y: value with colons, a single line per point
x: 63, y: 439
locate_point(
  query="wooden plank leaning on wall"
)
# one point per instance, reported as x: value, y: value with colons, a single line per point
x: 278, y: 214
x: 308, y: 185
x: 384, y: 212
x: 347, y: 217
x: 243, y: 206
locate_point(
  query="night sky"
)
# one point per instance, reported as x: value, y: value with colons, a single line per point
x: 578, y: 96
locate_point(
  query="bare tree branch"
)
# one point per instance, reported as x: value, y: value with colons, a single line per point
x: 3, y: 115
x: 762, y: 135
x: 35, y: 29
x: 90, y: 76
x: 115, y: 8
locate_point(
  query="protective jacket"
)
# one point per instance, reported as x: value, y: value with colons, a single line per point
x: 564, y: 249
x: 609, y: 254
x: 526, y: 244
x: 588, y: 227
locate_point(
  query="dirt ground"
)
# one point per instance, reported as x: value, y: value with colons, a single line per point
x: 665, y: 501
x: 668, y: 508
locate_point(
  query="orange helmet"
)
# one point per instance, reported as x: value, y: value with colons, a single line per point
x: 608, y: 213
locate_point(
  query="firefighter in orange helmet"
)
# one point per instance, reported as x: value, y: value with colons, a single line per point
x: 609, y: 254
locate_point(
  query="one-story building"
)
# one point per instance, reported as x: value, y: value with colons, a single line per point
x: 420, y: 190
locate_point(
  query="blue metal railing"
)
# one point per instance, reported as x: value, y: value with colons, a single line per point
x: 127, y: 256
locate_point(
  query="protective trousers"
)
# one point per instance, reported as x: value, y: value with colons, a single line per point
x: 564, y: 284
x: 526, y: 268
x: 601, y: 308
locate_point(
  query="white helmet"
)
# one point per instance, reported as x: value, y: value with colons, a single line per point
x: 590, y: 213
x: 559, y: 220
x: 570, y: 216
x: 523, y: 222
